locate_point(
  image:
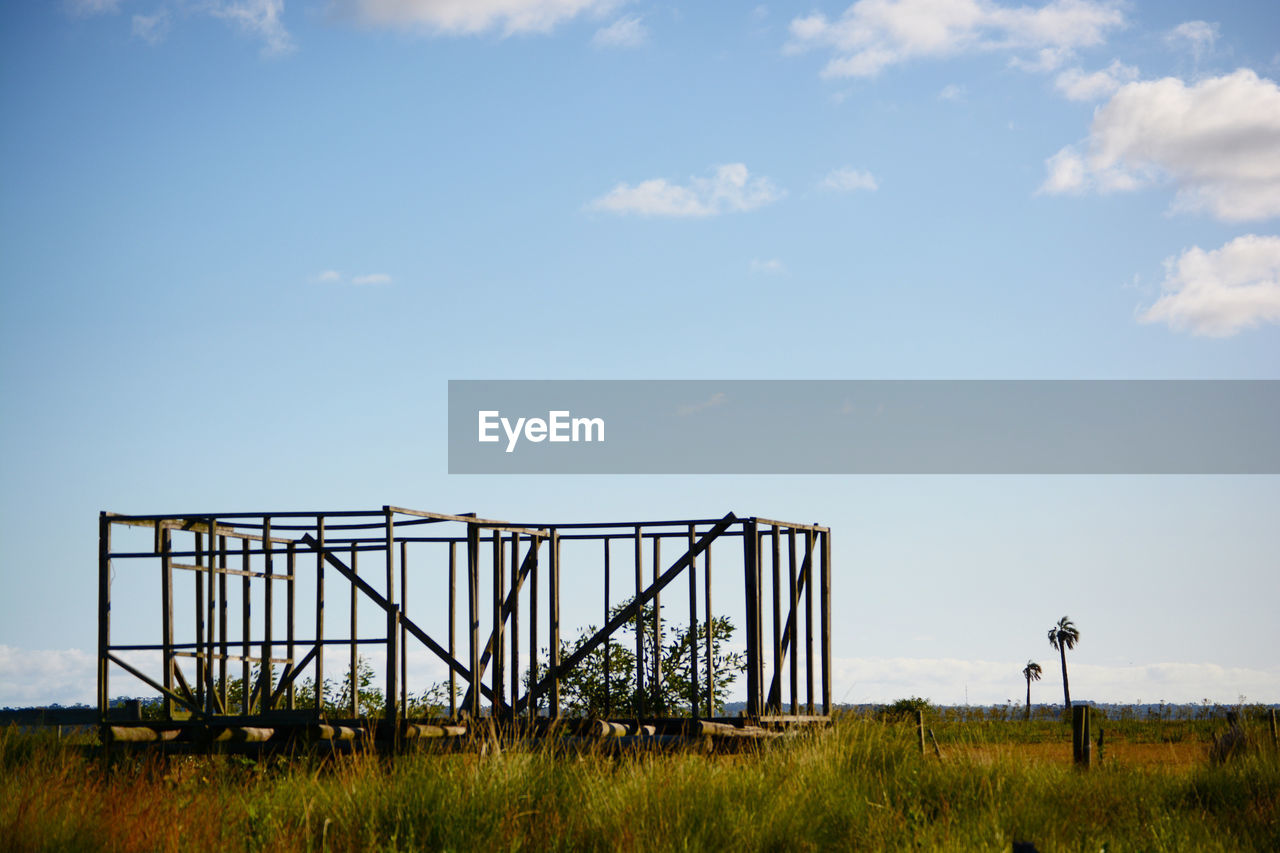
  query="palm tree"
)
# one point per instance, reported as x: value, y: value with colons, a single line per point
x: 1064, y: 636
x: 1031, y: 672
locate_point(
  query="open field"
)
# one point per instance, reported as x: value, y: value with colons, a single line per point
x: 862, y: 784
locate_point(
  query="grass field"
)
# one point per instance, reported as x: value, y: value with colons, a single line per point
x: 862, y: 784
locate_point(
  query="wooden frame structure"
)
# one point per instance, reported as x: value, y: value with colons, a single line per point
x: 274, y: 572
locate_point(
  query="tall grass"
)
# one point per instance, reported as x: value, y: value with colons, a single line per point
x: 862, y: 784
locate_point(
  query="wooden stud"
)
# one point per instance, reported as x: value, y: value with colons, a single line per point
x: 793, y: 607
x: 751, y: 582
x: 807, y: 571
x: 775, y: 698
x: 290, y: 606
x: 534, y: 544
x: 319, y: 647
x: 499, y: 581
x: 393, y: 662
x: 656, y: 687
x: 210, y: 694
x: 267, y: 677
x: 825, y: 537
x: 473, y: 601
x: 608, y: 662
x: 403, y: 636
x: 515, y: 624
x: 353, y: 678
x: 710, y: 622
x: 104, y: 611
x: 222, y: 619
x: 554, y: 592
x: 639, y: 559
x: 201, y: 652
x: 693, y: 629
x: 453, y: 619
x: 166, y: 614
x: 246, y: 687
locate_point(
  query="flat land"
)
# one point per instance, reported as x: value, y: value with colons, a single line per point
x: 862, y: 784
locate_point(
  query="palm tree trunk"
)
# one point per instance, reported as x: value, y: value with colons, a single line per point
x: 1066, y: 690
x: 1028, y: 697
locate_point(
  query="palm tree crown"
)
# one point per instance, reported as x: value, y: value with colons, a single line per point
x: 1064, y: 634
x: 1031, y: 672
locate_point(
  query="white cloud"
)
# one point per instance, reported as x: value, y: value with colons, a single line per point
x: 470, y: 17
x: 730, y: 189
x: 1217, y: 142
x: 624, y: 32
x: 772, y: 266
x: 152, y: 29
x: 1221, y: 292
x: 946, y: 681
x: 86, y: 8
x: 953, y: 92
x: 335, y: 277
x: 874, y: 34
x: 1078, y: 85
x: 258, y: 18
x: 845, y: 179
x: 45, y: 676
x: 1199, y: 36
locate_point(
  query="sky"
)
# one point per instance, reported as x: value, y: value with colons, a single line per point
x: 244, y: 245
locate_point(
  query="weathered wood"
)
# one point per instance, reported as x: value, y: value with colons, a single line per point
x: 246, y: 605
x: 498, y: 658
x: 453, y: 622
x: 710, y: 623
x: 655, y: 688
x: 937, y: 751
x: 532, y: 706
x: 353, y: 681
x: 473, y: 600
x: 793, y: 604
x: 202, y: 658
x: 403, y: 636
x: 148, y: 680
x: 639, y: 630
x: 267, y: 676
x: 104, y: 610
x: 166, y: 613
x: 693, y: 630
x: 608, y: 647
x: 554, y: 594
x: 318, y: 699
x: 418, y: 731
x: 920, y: 729
x: 140, y: 734
x: 775, y: 696
x: 243, y: 734
x: 393, y: 664
x: 751, y: 583
x: 291, y: 607
x: 825, y: 537
x: 508, y: 604
x: 324, y: 731
x: 515, y: 622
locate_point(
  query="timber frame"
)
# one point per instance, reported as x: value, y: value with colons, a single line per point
x: 393, y: 561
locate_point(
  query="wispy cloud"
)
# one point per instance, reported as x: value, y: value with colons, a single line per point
x: 624, y: 32
x: 1217, y: 142
x: 261, y: 19
x: 1197, y: 36
x: 846, y: 179
x: 154, y: 28
x: 335, y: 277
x: 87, y: 8
x: 730, y: 189
x: 771, y: 266
x: 953, y: 92
x: 1221, y: 292
x: 872, y: 35
x: 719, y: 398
x: 473, y: 17
x: 1078, y: 85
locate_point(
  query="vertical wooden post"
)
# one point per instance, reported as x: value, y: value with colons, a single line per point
x: 639, y: 560
x: 246, y: 684
x: 793, y: 604
x: 1272, y: 720
x: 453, y: 623
x: 920, y: 729
x: 166, y: 613
x: 318, y: 699
x: 353, y: 651
x: 404, y: 633
x: 655, y: 688
x: 210, y: 695
x: 608, y: 643
x: 104, y: 612
x: 267, y: 678
x: 826, y: 621
x: 555, y: 623
x: 710, y: 622
x: 1080, y: 746
x: 201, y: 651
x: 775, y: 700
x: 393, y: 634
x: 291, y: 607
x: 499, y: 671
x: 473, y: 615
x: 223, y: 600
x: 693, y: 628
x: 515, y: 626
x: 535, y: 543
x: 751, y: 582
x: 806, y: 571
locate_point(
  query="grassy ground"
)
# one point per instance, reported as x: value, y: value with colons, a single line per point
x: 863, y: 784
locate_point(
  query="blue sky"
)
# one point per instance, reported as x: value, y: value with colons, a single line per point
x: 245, y: 243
